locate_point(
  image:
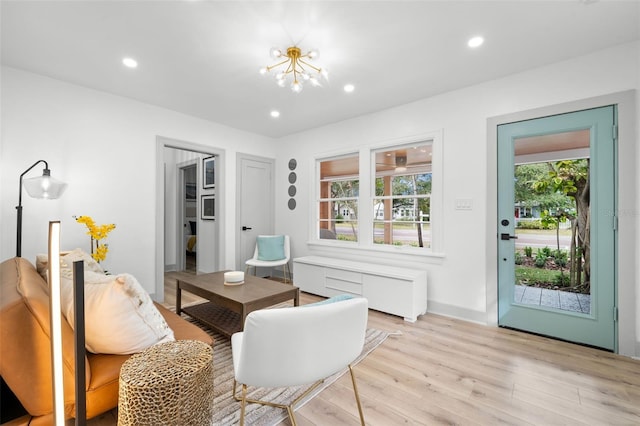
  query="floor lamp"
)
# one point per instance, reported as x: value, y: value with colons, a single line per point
x: 56, y: 323
x: 55, y: 313
x: 38, y: 187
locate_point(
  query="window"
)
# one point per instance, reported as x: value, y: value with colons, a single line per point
x: 338, y: 202
x: 402, y: 201
x: 383, y: 197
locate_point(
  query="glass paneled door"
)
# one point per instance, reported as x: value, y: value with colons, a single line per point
x: 556, y: 227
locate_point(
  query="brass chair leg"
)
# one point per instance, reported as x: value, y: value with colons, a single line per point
x: 235, y: 396
x: 242, y: 404
x: 287, y: 271
x: 292, y: 417
x: 243, y: 399
x: 355, y: 391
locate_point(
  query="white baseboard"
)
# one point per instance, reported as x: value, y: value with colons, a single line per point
x: 457, y: 312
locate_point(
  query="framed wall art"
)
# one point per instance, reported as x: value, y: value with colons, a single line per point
x: 209, y: 172
x: 208, y: 203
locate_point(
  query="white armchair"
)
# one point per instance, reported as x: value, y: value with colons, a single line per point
x: 271, y: 251
x: 297, y: 346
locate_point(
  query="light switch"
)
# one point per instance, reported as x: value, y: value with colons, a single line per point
x: 464, y: 204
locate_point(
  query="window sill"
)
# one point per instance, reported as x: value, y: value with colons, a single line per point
x: 375, y: 249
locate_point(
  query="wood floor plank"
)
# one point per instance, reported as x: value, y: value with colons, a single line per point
x: 550, y: 387
x: 611, y: 406
x: 376, y: 414
x: 319, y: 411
x: 560, y: 406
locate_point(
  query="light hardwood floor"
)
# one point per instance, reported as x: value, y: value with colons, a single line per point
x: 446, y: 371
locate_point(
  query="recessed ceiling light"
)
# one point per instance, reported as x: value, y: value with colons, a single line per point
x: 275, y: 114
x: 130, y: 62
x: 475, y: 41
x: 349, y: 88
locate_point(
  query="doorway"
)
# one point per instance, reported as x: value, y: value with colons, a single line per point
x: 172, y: 204
x: 556, y: 233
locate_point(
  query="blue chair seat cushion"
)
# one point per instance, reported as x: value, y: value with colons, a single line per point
x: 270, y: 247
x: 333, y: 299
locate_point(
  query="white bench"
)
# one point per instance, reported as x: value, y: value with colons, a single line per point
x: 394, y: 290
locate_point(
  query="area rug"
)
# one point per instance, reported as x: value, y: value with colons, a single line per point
x: 227, y: 409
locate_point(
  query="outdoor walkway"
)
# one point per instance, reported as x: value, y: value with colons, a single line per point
x: 564, y: 300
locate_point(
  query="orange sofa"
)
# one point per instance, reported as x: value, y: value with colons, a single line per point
x: 25, y: 349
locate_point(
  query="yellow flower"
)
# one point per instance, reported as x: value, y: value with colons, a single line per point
x: 101, y: 253
x: 100, y: 232
x: 97, y: 233
x: 86, y: 220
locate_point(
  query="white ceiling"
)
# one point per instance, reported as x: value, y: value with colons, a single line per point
x: 202, y: 57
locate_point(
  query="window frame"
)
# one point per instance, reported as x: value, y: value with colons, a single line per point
x: 320, y: 199
x: 403, y: 212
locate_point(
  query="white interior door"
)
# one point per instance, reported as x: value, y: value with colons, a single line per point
x: 255, y: 204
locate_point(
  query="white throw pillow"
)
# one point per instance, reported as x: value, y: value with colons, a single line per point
x: 90, y: 264
x: 66, y: 261
x: 120, y: 317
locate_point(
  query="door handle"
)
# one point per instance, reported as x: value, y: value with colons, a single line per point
x: 246, y: 228
x: 507, y: 237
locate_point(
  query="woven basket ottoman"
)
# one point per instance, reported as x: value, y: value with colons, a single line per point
x: 167, y: 384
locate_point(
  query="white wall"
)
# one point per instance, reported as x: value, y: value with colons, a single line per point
x: 104, y: 147
x: 463, y: 283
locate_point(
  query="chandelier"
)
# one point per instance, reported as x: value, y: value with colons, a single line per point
x: 295, y: 64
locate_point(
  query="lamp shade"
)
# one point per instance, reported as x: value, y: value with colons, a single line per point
x: 44, y: 186
x: 40, y: 187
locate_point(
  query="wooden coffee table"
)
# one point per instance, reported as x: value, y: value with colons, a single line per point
x: 229, y: 305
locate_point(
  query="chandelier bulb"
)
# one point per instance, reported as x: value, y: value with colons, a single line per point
x: 313, y: 54
x: 281, y: 75
x: 275, y: 53
x: 296, y: 86
x: 264, y: 70
x: 282, y: 82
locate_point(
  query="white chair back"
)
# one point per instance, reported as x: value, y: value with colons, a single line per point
x: 299, y: 345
